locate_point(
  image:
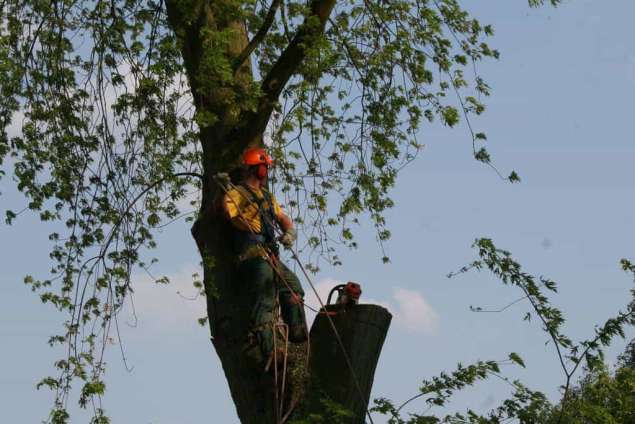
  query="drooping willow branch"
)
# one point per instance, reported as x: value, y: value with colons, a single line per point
x: 105, y: 246
x: 113, y: 231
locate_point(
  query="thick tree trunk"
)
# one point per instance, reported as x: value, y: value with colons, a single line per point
x: 228, y: 124
x: 362, y: 329
x: 229, y: 310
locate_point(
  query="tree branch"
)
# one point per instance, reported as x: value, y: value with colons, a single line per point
x: 260, y: 35
x: 186, y: 19
x: 294, y: 54
x: 286, y: 65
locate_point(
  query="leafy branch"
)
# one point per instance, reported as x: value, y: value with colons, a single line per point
x: 570, y: 355
x: 524, y: 405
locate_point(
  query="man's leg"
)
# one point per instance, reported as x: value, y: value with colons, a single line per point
x: 292, y: 304
x: 259, y: 284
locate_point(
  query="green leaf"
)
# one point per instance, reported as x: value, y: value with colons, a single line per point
x: 513, y: 177
x: 450, y: 116
x: 482, y: 155
x: 480, y: 136
x: 514, y: 357
x: 10, y: 216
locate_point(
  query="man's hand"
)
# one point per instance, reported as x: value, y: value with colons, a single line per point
x: 288, y: 238
x: 222, y: 178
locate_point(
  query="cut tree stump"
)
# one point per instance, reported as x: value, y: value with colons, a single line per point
x: 362, y: 329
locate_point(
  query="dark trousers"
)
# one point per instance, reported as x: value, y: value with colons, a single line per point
x: 260, y: 282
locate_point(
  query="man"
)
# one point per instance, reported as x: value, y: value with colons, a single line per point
x: 254, y: 214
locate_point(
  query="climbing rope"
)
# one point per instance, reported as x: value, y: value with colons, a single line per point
x: 306, y: 275
x: 276, y: 327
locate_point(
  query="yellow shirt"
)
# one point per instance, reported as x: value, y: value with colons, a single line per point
x: 242, y: 210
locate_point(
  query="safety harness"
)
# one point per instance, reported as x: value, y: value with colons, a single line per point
x: 246, y: 241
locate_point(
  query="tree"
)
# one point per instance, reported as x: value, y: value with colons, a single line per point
x: 111, y: 111
x: 627, y: 359
x: 598, y: 398
x: 601, y: 396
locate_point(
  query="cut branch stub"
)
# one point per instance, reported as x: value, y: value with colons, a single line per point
x: 362, y: 329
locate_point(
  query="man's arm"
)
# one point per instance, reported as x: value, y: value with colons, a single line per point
x: 286, y: 224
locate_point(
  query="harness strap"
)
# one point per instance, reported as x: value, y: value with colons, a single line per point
x: 266, y: 213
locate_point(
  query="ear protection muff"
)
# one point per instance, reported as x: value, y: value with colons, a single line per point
x: 261, y: 172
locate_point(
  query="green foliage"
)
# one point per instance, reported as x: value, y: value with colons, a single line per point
x: 599, y: 397
x: 365, y: 89
x: 536, y: 3
x: 438, y: 391
x: 90, y: 389
x: 59, y: 416
x: 95, y: 94
x: 514, y: 357
x: 524, y: 405
x: 331, y: 413
x: 627, y: 359
x: 109, y: 109
x: 589, y: 352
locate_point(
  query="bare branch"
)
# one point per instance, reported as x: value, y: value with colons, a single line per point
x: 504, y: 308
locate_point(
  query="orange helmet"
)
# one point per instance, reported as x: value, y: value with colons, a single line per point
x: 256, y: 156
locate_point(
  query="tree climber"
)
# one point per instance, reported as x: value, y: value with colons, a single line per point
x: 254, y: 212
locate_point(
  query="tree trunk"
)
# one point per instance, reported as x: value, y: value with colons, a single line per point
x: 228, y: 124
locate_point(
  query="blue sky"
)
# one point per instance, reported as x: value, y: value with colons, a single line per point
x: 560, y: 114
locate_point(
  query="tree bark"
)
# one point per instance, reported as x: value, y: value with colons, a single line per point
x: 363, y: 330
